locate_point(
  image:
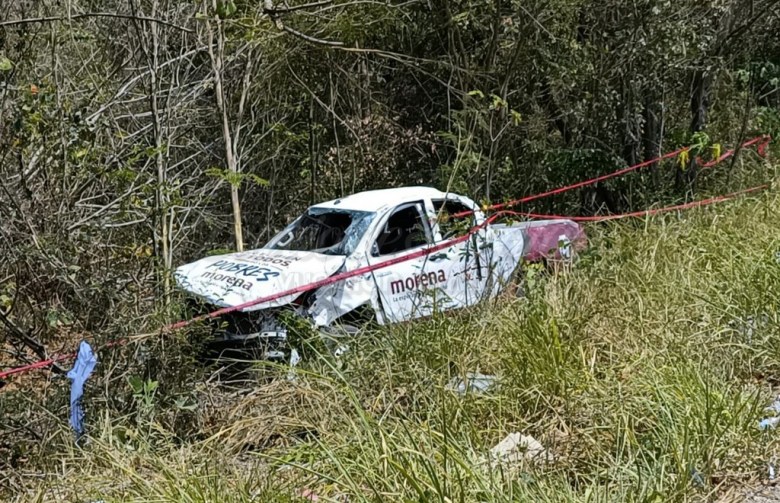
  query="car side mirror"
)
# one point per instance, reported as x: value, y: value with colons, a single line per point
x: 374, y: 250
x: 286, y: 239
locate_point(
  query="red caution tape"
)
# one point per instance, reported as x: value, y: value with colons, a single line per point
x: 643, y: 213
x: 762, y: 140
x: 37, y: 365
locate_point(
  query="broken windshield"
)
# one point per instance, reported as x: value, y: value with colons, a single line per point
x: 324, y: 230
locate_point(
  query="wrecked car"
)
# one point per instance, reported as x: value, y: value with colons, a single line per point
x: 366, y: 229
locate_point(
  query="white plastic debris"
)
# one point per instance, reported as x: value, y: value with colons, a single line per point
x: 474, y: 382
x: 295, y: 359
x: 771, y: 423
x: 749, y: 325
x: 517, y: 447
x: 565, y: 247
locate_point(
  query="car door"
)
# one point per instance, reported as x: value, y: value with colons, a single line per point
x: 467, y: 262
x: 411, y: 288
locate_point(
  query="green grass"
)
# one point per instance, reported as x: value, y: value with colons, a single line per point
x: 636, y: 370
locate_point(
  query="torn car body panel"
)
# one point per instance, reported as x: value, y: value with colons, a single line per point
x: 238, y: 278
x: 371, y: 228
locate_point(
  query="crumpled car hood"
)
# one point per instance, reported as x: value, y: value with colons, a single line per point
x: 237, y: 278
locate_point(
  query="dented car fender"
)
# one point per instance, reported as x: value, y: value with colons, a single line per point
x: 333, y: 301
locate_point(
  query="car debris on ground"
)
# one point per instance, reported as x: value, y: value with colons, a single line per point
x: 517, y: 448
x: 771, y: 423
x: 472, y: 382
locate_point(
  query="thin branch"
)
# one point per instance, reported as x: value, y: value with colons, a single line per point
x: 309, y: 38
x: 127, y: 85
x: 285, y: 10
x: 19, y: 335
x: 273, y: 12
x: 736, y: 32
x: 16, y: 22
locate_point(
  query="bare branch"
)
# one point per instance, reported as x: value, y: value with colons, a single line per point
x: 17, y: 22
x: 285, y: 10
x: 126, y: 87
x: 309, y: 38
x: 31, y: 342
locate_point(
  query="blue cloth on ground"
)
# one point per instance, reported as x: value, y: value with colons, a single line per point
x: 85, y: 364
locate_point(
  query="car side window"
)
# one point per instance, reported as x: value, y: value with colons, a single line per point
x: 405, y: 229
x: 452, y: 226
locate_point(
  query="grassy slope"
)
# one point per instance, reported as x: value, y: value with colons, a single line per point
x: 634, y: 370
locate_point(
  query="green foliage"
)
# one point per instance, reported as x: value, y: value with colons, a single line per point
x: 768, y: 121
x: 226, y: 8
x: 236, y: 178
x: 56, y: 318
x: 144, y: 392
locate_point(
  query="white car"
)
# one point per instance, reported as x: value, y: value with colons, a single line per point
x: 369, y: 229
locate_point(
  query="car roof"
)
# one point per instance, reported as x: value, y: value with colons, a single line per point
x: 376, y: 200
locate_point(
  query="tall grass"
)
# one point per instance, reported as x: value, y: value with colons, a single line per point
x: 643, y: 371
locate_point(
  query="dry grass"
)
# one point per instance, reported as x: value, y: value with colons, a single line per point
x: 640, y: 371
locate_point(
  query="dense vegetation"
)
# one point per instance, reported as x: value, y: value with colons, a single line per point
x: 138, y: 134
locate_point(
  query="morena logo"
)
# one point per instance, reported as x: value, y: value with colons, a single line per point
x: 418, y: 280
x: 230, y: 280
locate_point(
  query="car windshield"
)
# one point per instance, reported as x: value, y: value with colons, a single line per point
x: 324, y: 230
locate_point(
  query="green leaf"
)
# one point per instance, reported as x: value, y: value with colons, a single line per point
x: 136, y: 383
x: 226, y: 8
x: 497, y: 102
x: 54, y: 318
x: 5, y: 64
x: 683, y: 159
x: 150, y: 386
x: 699, y: 141
x: 236, y: 179
x: 218, y: 251
x: 460, y: 17
x: 182, y: 404
x: 262, y: 182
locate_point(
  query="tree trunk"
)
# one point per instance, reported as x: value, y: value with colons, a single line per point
x: 217, y: 63
x: 160, y: 161
x: 700, y: 102
x: 149, y: 42
x: 653, y: 134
